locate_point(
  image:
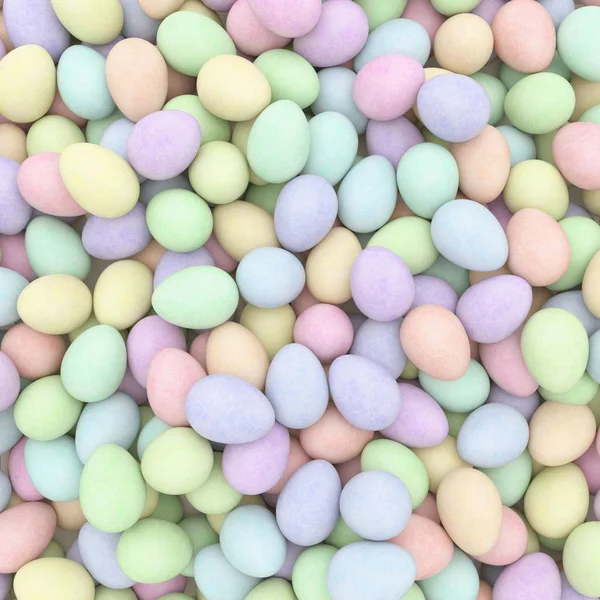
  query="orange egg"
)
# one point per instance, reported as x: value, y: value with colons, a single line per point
x: 511, y: 544
x: 59, y: 107
x: 198, y: 348
x: 428, y: 509
x: 13, y: 142
x: 296, y: 459
x: 69, y: 515
x: 587, y: 94
x: 485, y: 591
x: 150, y: 255
x: 159, y: 9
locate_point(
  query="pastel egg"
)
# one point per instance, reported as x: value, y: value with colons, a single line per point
x: 10, y: 383
x: 380, y: 343
x: 274, y: 327
x: 575, y: 146
x: 173, y: 262
x: 6, y: 490
x: 460, y: 574
x: 424, y: 14
x: 96, y: 23
x: 511, y: 544
x: 535, y: 574
x: 10, y: 432
x: 277, y: 587
x: 574, y: 303
x: 575, y: 41
x: 288, y: 19
x: 13, y: 283
x: 136, y: 23
x: 521, y: 145
x: 512, y: 479
x: 580, y: 557
x: 13, y: 144
x: 590, y: 284
x: 13, y: 204
x: 392, y: 139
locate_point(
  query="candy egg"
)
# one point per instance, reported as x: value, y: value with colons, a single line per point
x: 392, y: 139
x: 288, y: 19
x: 570, y: 144
x: 580, y: 557
x: 136, y: 23
x: 13, y: 285
x: 535, y: 574
x: 575, y: 42
x: 380, y: 343
x: 512, y: 479
x: 96, y: 23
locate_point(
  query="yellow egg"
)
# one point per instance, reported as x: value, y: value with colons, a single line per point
x: 159, y: 9
x: 591, y: 285
x: 197, y: 6
x: 99, y: 180
x: 13, y: 142
x: 91, y: 21
x: 55, y: 304
x: 470, y: 510
x: 53, y: 579
x: 69, y: 515
x: 123, y: 294
x: 234, y: 350
x: 233, y: 88
x: 587, y: 94
x: 591, y: 201
x: 274, y: 327
x: 329, y: 264
x: 216, y: 521
x: 152, y: 498
x: 27, y: 84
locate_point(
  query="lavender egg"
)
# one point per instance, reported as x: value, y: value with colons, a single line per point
x: 434, y: 290
x: 535, y: 577
x: 392, y: 138
x: 493, y: 309
x: 573, y: 302
x: 136, y: 23
x: 150, y: 188
x: 163, y: 144
x: 308, y: 506
x: 115, y: 138
x: 526, y: 405
x: 365, y: 393
x: 14, y: 211
x: 229, y: 410
x: 173, y: 262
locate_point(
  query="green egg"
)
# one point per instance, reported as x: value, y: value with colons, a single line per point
x: 456, y: 276
x: 112, y: 490
x: 583, y: 392
x: 458, y: 580
x: 591, y: 115
x: 104, y: 593
x: 94, y: 364
x: 555, y: 347
x: 308, y: 574
x: 52, y: 133
x: 264, y: 196
x: 149, y: 431
x: 213, y: 128
x: 410, y: 239
x: 290, y: 76
x: 196, y: 298
x: 512, y: 479
x: 540, y: 103
x: 272, y: 589
x: 556, y: 544
x: 169, y: 508
x: 342, y: 535
x: 414, y: 593
x: 455, y: 421
x: 95, y: 129
x: 45, y: 410
x: 393, y: 457
x: 461, y: 395
x: 578, y: 43
x: 153, y: 551
x: 434, y: 139
x: 581, y: 559
x: 379, y: 12
x: 201, y: 533
x: 496, y: 92
x: 53, y: 549
x: 543, y: 146
x: 454, y: 7
x: 510, y: 76
x: 594, y: 406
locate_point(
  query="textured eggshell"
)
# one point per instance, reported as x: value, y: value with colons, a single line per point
x: 19, y: 478
x: 575, y: 148
x: 15, y: 208
x: 161, y: 8
x: 11, y: 434
x: 172, y: 262
x: 96, y: 22
x: 534, y: 576
x: 511, y: 544
x: 13, y: 284
x: 290, y: 18
x: 10, y: 385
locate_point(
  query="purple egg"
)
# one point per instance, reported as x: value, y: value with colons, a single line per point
x: 572, y: 301
x: 74, y: 554
x: 172, y: 262
x: 392, y: 138
x: 434, y: 290
x: 305, y: 212
x: 2, y: 55
x: 114, y: 239
x: 365, y: 393
x: 380, y: 343
x: 494, y: 308
x: 6, y: 584
x: 421, y: 422
x: 499, y: 209
x: 14, y: 211
x: 568, y: 593
x: 219, y: 5
x: 34, y: 22
x: 255, y: 467
x: 487, y: 9
x: 229, y: 410
x: 382, y: 285
x: 533, y: 577
x: 454, y: 107
x: 164, y: 144
x: 308, y: 506
x: 136, y: 23
x: 357, y: 321
x: 104, y: 49
x: 98, y: 551
x: 526, y: 405
x: 338, y: 36
x: 146, y: 338
x: 132, y: 388
x: 574, y: 210
x: 10, y: 384
x: 291, y: 556
x: 155, y: 591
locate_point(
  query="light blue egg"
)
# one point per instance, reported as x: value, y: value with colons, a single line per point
x: 9, y: 432
x: 558, y: 9
x: 456, y: 276
x: 335, y: 93
x: 115, y: 137
x: 367, y: 195
x: 150, y: 188
x: 370, y: 570
x: 398, y: 36
x: 81, y: 81
x: 5, y: 490
x: 380, y: 343
x: 593, y: 366
x: 270, y: 277
x: 573, y: 302
x: 296, y: 387
x: 520, y: 145
x: 469, y: 235
x: 333, y: 146
x: 11, y: 285
x: 54, y: 468
x: 512, y: 479
x: 151, y: 430
x: 218, y: 579
x: 459, y: 580
x: 115, y: 420
x: 136, y: 23
x: 492, y: 436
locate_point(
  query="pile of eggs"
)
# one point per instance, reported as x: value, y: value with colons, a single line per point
x: 299, y: 300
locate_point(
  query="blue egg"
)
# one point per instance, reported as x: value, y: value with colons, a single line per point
x: 469, y: 235
x: 136, y: 23
x: 593, y: 367
x: 367, y: 195
x: 270, y: 277
x: 150, y: 187
x: 573, y: 302
x: 380, y: 342
x: 458, y: 580
x: 5, y: 490
x: 296, y: 387
x: 9, y: 432
x: 398, y: 36
x: 115, y: 136
x: 558, y: 9
x: 54, y: 468
x: 81, y: 81
x: 492, y: 436
x: 150, y: 431
x: 115, y: 420
x: 11, y: 285
x: 520, y: 145
x: 371, y: 570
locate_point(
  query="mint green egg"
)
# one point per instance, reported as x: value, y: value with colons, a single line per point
x: 555, y: 348
x: 104, y: 593
x: 556, y: 544
x: 196, y: 298
x: 264, y: 196
x: 153, y: 551
x: 290, y: 76
x: 583, y: 392
x: 52, y: 133
x: 149, y: 432
x: 455, y: 421
x: 95, y: 128
x: 461, y: 395
x: 169, y: 508
x: 496, y: 92
x: 591, y: 115
x: 308, y: 574
x: 458, y: 580
x: 578, y: 42
x: 397, y: 459
x: 272, y: 589
x: 379, y: 12
x: 54, y: 247
x: 94, y: 364
x: 520, y: 145
x: 540, y: 103
x: 45, y: 410
x: 510, y: 76
x: 584, y: 240
x: 279, y: 142
x: 414, y: 593
x: 11, y: 284
x: 427, y: 178
x: 112, y: 492
x: 456, y: 276
x: 213, y: 128
x: 53, y: 549
x: 342, y: 535
x: 454, y: 7
x: 410, y: 239
x: 201, y: 533
x: 512, y: 479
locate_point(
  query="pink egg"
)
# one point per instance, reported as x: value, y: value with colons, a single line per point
x: 485, y: 591
x: 198, y: 348
x: 21, y: 483
x: 248, y: 33
x: 14, y: 256
x: 589, y: 463
x: 524, y: 36
x: 287, y: 18
x: 504, y: 363
x: 428, y: 509
x: 26, y: 531
x: 10, y: 384
x: 41, y: 185
x: 171, y: 374
x: 423, y: 13
x: 347, y: 470
x: 59, y: 107
x: 219, y: 5
x: 221, y: 258
x: 499, y: 209
x: 511, y: 544
x: 154, y: 591
x: 387, y: 87
x: 576, y: 150
x: 296, y: 459
x: 326, y: 330
x: 132, y: 388
x: 303, y: 301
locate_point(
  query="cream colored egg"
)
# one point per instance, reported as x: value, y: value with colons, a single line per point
x: 91, y: 21
x: 69, y: 515
x: 274, y: 327
x: 13, y: 142
x: 591, y: 285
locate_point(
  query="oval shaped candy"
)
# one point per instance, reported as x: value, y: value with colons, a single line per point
x: 534, y: 574
x: 289, y: 19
